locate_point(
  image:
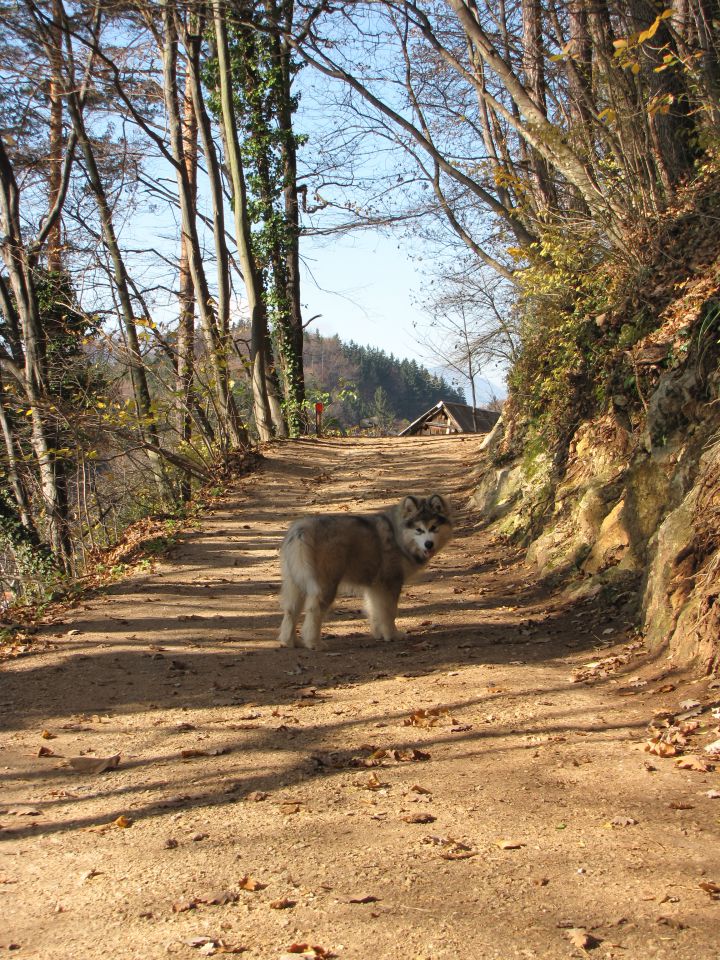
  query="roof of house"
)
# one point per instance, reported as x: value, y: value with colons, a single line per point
x: 464, y: 418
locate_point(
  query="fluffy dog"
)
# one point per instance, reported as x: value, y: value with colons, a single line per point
x: 373, y: 554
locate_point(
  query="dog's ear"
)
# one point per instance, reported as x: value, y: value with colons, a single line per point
x: 408, y: 507
x: 439, y: 504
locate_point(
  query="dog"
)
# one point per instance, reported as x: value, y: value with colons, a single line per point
x: 373, y: 554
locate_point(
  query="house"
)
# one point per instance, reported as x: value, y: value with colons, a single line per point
x: 445, y: 418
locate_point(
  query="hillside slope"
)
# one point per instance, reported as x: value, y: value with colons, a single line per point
x: 629, y: 498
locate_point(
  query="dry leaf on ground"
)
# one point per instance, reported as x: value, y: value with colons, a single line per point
x: 430, y: 717
x: 94, y: 764
x: 693, y: 762
x: 251, y: 884
x: 282, y: 904
x: 582, y: 939
x: 418, y: 818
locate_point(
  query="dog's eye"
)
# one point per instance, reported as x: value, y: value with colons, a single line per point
x: 419, y: 530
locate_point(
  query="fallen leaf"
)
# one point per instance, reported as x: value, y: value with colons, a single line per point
x: 306, y: 951
x: 170, y: 844
x: 660, y: 748
x: 366, y: 898
x: 623, y: 822
x: 510, y: 844
x: 220, y: 898
x: 689, y: 704
x: 713, y: 794
x: 255, y: 796
x: 251, y: 884
x: 713, y: 748
x: 123, y: 822
x: 418, y: 818
x: 183, y: 906
x: 416, y: 788
x: 712, y: 888
x: 289, y: 808
x: 282, y: 904
x: 694, y: 762
x: 458, y: 854
x: 94, y: 764
x: 429, y: 717
x: 680, y: 805
x: 46, y: 735
x: 371, y: 782
x: 581, y: 938
x: 46, y: 752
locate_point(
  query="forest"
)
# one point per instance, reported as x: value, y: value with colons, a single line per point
x: 162, y: 164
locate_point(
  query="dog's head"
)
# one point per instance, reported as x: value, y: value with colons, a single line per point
x: 426, y: 525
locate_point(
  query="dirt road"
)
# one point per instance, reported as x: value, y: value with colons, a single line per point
x: 473, y: 791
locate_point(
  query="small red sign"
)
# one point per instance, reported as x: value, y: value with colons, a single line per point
x: 319, y: 408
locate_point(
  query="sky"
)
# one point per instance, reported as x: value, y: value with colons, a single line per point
x: 366, y: 288
x: 363, y: 287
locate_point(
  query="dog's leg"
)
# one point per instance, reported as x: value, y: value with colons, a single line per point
x: 316, y: 608
x: 381, y: 604
x: 292, y: 599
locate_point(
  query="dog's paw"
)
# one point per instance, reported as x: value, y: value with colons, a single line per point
x: 288, y: 640
x: 311, y: 643
x: 389, y: 635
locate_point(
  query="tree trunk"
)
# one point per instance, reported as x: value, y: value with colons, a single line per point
x: 54, y: 239
x: 251, y: 275
x: 147, y: 425
x: 533, y: 65
x: 216, y: 343
x: 34, y: 370
x: 186, y: 322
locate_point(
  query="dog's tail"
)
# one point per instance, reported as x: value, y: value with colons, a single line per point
x: 296, y: 553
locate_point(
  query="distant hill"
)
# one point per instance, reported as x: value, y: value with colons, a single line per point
x: 386, y: 389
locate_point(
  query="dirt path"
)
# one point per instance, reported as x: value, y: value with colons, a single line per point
x: 504, y: 826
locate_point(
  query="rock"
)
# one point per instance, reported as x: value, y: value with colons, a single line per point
x: 613, y: 544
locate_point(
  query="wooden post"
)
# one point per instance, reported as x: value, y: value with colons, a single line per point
x: 318, y: 419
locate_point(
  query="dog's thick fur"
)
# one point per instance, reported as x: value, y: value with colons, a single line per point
x: 370, y: 553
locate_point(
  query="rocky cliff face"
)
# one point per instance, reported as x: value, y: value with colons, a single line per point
x: 635, y: 508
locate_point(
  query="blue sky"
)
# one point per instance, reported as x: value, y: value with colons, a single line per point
x: 366, y: 287
x: 363, y: 285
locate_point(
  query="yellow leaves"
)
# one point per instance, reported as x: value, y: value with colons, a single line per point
x: 624, y: 45
x: 565, y: 52
x: 608, y: 114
